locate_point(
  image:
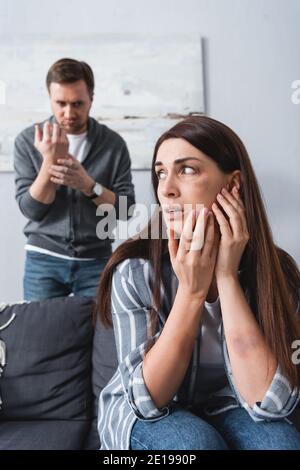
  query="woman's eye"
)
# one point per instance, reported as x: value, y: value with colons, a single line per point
x: 160, y: 175
x: 188, y: 168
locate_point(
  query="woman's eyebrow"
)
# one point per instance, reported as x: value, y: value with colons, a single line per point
x: 178, y: 160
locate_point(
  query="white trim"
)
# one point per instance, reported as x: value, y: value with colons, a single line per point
x: 52, y: 253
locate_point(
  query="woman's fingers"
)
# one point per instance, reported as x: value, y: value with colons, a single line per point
x: 237, y: 197
x: 172, y: 243
x: 187, y: 233
x: 232, y: 200
x: 209, y: 236
x: 235, y: 200
x: 233, y: 214
x: 222, y: 221
x: 216, y: 245
x: 198, y: 235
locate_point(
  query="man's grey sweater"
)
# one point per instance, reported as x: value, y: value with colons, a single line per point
x: 68, y: 225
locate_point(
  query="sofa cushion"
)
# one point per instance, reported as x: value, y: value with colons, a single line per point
x: 104, y: 359
x: 43, y: 435
x: 92, y: 440
x: 47, y: 375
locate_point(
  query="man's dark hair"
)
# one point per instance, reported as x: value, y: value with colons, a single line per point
x: 70, y: 71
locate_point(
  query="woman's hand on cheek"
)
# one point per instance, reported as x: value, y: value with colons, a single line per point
x: 193, y: 257
x: 234, y: 233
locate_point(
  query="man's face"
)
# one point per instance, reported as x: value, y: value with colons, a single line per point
x: 71, y: 103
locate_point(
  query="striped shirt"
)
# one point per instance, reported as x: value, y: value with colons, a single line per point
x: 126, y: 398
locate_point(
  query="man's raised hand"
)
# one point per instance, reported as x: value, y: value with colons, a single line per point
x: 52, y: 143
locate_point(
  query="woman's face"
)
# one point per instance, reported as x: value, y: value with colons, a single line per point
x: 186, y: 179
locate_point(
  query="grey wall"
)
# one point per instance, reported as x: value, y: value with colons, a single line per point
x: 251, y: 50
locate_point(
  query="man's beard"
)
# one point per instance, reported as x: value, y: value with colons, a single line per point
x: 76, y: 128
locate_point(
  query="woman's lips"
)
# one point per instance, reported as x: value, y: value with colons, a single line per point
x: 174, y: 214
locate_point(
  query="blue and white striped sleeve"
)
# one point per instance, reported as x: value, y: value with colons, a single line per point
x: 130, y: 305
x: 279, y: 401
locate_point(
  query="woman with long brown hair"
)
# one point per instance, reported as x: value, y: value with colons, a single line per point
x: 205, y: 318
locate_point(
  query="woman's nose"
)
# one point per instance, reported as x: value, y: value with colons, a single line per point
x: 170, y: 189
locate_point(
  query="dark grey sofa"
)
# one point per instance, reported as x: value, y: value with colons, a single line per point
x: 56, y: 365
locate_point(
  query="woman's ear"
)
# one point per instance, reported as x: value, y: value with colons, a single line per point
x: 235, y: 180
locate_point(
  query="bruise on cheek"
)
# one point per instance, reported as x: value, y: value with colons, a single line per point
x: 201, y: 186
